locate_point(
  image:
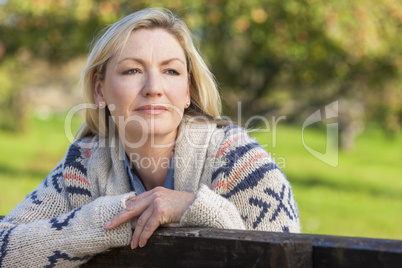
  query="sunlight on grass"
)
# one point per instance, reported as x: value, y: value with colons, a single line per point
x: 27, y: 158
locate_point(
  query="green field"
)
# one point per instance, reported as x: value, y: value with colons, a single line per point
x: 26, y: 158
x: 362, y: 196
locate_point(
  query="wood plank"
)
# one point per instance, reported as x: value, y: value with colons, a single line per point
x: 334, y: 251
x: 198, y: 247
x: 327, y: 251
x: 191, y: 247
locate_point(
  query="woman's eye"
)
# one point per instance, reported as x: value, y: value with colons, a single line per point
x: 171, y: 71
x: 131, y: 71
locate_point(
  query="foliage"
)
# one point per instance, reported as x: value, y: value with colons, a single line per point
x: 283, y: 56
x: 300, y: 55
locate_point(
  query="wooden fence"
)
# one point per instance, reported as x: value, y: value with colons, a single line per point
x: 206, y: 247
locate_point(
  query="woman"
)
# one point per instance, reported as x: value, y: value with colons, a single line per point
x: 154, y: 152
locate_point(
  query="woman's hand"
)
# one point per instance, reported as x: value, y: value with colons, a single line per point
x: 149, y: 210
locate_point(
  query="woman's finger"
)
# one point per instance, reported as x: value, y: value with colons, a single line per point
x: 137, y: 197
x: 139, y: 227
x: 153, y: 223
x: 133, y: 223
x: 134, y: 208
x: 151, y: 219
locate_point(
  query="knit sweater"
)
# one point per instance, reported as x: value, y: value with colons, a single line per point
x: 61, y: 223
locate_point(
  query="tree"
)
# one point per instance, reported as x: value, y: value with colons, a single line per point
x: 276, y: 56
x: 295, y: 56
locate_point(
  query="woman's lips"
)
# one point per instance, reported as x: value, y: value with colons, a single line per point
x: 151, y: 109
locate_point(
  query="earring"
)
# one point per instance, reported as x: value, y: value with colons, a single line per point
x: 102, y: 104
x: 187, y: 104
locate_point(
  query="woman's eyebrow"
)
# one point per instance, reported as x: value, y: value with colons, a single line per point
x: 164, y: 62
x: 167, y: 61
x: 133, y: 59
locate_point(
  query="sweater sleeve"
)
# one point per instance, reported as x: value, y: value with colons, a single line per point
x: 247, y: 190
x: 45, y: 230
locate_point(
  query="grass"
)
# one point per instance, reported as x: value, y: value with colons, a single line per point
x: 27, y: 158
x: 362, y: 196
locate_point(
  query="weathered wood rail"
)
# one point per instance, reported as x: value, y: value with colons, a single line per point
x: 206, y: 247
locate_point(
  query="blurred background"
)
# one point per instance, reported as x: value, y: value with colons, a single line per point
x: 281, y: 60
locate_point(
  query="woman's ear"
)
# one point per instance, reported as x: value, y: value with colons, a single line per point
x: 188, y: 99
x: 189, y: 79
x: 188, y: 88
x: 98, y: 94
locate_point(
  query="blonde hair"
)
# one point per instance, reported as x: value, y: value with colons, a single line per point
x: 205, y: 99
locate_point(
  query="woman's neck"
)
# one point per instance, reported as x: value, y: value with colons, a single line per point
x: 151, y: 160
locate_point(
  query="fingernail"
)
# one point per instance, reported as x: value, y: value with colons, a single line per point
x: 108, y: 224
x: 132, y: 245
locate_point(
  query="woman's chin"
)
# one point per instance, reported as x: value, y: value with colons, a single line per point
x: 137, y: 136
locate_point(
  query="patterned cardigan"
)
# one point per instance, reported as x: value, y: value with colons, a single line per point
x: 61, y: 223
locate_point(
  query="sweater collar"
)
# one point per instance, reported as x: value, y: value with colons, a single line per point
x: 191, y: 147
x: 190, y: 152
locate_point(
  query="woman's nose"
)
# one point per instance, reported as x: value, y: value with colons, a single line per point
x: 153, y: 85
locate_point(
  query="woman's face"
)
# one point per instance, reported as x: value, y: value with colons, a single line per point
x: 146, y: 86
